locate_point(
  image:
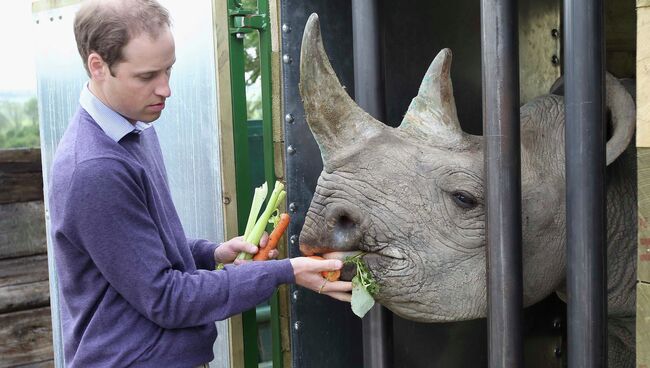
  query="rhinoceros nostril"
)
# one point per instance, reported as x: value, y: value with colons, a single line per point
x: 346, y: 223
x: 343, y: 226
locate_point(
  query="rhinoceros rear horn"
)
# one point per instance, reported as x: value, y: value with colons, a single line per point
x: 334, y: 118
x: 432, y: 113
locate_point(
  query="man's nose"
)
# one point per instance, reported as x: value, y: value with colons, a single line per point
x: 163, y: 88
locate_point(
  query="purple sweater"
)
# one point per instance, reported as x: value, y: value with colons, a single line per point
x: 130, y: 291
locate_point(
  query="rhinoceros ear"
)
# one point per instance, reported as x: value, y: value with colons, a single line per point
x: 432, y: 113
x: 334, y: 118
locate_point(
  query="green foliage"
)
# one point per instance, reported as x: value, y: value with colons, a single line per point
x: 19, y: 124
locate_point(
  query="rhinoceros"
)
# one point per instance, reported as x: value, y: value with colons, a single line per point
x: 413, y: 198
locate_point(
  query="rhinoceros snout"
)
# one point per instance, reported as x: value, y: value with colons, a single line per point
x: 337, y: 228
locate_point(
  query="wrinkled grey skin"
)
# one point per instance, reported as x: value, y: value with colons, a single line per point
x: 413, y: 198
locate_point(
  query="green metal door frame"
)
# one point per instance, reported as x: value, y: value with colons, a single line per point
x: 242, y: 21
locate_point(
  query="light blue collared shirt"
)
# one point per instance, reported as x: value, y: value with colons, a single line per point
x: 113, y: 124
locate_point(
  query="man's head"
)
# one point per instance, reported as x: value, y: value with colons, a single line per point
x: 128, y: 50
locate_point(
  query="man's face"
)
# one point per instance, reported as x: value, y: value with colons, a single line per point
x: 140, y: 83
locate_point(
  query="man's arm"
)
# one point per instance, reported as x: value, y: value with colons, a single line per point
x: 203, y: 253
x: 106, y: 215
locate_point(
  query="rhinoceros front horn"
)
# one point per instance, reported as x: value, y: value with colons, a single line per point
x: 335, y: 120
x: 432, y: 114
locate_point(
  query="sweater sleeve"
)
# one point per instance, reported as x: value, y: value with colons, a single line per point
x: 203, y: 253
x: 106, y: 215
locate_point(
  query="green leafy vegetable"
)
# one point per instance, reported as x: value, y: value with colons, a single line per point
x: 363, y: 286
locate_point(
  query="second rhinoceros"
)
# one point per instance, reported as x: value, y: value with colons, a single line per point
x: 412, y: 197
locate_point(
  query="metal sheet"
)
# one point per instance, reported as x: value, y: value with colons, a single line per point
x: 411, y: 35
x: 188, y: 128
x: 322, y: 330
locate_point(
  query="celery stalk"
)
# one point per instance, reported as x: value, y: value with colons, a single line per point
x: 255, y: 235
x: 256, y: 206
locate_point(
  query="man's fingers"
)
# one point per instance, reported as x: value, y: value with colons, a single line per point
x: 264, y: 240
x: 327, y: 265
x: 336, y: 286
x: 344, y: 297
x: 273, y: 254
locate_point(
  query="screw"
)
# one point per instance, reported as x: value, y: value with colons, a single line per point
x: 297, y: 325
x: 555, y: 33
x: 286, y: 28
x: 293, y: 239
x: 291, y: 150
x: 37, y: 21
x: 60, y: 16
x: 557, y: 351
x: 555, y: 60
x: 239, y: 35
x: 288, y: 118
x: 292, y: 207
x: 226, y: 200
x: 51, y: 19
x: 295, y: 295
x: 286, y: 59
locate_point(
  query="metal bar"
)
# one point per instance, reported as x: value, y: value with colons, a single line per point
x: 501, y: 133
x: 585, y: 178
x: 369, y: 94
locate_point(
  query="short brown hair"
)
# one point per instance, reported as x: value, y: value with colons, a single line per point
x: 105, y: 27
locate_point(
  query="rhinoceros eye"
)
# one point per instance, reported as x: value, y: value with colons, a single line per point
x: 464, y: 199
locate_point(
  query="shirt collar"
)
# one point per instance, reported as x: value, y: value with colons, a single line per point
x: 113, y: 124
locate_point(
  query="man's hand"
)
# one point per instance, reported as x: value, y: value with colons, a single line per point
x: 227, y: 252
x: 308, y: 274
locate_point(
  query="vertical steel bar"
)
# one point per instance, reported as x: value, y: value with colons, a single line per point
x: 501, y: 130
x: 369, y: 94
x: 585, y: 178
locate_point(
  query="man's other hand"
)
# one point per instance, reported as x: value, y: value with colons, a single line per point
x: 227, y: 252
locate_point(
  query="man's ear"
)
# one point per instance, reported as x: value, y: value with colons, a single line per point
x: 96, y: 66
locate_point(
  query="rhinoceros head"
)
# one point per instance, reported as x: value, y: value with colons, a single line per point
x: 412, y: 197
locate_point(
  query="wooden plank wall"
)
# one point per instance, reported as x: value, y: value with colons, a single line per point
x: 643, y: 167
x: 25, y: 321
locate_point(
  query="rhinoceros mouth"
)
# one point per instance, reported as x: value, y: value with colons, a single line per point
x: 371, y: 259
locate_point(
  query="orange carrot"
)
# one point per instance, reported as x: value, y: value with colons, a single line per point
x: 329, y: 275
x: 274, y: 238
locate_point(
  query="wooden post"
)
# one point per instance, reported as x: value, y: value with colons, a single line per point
x: 643, y: 157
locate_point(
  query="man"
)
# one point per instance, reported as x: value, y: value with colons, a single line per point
x: 134, y: 290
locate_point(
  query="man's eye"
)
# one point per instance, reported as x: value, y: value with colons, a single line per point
x: 146, y: 77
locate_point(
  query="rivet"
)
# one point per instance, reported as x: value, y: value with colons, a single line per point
x: 37, y: 21
x: 291, y: 150
x: 286, y: 59
x: 557, y: 323
x: 297, y: 325
x: 555, y: 33
x: 292, y: 207
x: 557, y: 351
x: 239, y: 35
x: 60, y: 16
x: 286, y: 28
x: 293, y: 239
x: 288, y: 118
x: 295, y: 295
x: 51, y: 19
x: 555, y: 60
x: 226, y: 200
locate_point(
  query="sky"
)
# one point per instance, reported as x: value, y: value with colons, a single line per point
x: 17, y: 67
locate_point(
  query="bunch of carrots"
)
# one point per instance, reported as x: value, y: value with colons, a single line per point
x: 256, y: 225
